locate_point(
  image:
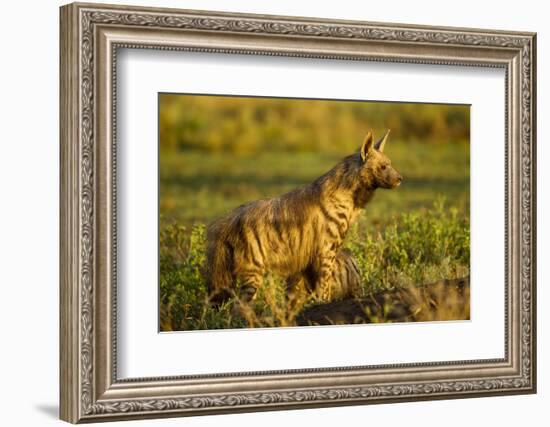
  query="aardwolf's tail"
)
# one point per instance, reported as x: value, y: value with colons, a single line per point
x: 219, y: 265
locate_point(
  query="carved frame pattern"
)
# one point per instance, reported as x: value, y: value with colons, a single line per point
x: 80, y: 401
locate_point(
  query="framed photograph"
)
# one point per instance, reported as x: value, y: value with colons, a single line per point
x: 265, y: 212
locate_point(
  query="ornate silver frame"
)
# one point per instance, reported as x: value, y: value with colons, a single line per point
x: 90, y: 36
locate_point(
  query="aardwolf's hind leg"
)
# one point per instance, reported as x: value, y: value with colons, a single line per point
x: 246, y: 293
x: 220, y: 296
x: 250, y: 283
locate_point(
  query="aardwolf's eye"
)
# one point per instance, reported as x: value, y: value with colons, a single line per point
x: 383, y: 167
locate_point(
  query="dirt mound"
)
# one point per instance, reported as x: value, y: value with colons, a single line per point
x: 442, y: 300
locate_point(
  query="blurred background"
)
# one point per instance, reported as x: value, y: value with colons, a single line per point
x: 217, y: 152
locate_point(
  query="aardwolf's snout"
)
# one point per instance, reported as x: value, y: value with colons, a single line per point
x: 397, y: 181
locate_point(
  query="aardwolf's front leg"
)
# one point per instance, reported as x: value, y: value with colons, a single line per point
x: 323, y: 289
x: 295, y: 292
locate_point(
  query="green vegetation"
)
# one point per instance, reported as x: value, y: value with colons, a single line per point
x: 196, y: 187
x: 419, y: 247
x: 416, y: 248
x: 217, y: 153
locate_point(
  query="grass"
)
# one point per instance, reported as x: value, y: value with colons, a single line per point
x: 196, y: 187
x: 414, y: 235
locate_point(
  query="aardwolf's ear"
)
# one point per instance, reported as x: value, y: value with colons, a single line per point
x: 366, y: 147
x: 380, y: 144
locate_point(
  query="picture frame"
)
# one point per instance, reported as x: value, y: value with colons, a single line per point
x: 91, y: 35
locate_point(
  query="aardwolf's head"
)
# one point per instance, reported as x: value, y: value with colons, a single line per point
x: 377, y: 168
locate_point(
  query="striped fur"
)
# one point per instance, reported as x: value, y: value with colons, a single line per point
x: 345, y: 282
x: 298, y: 235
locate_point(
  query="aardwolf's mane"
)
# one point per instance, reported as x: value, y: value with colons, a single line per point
x: 344, y: 177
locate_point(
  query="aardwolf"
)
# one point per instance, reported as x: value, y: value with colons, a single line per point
x: 298, y: 235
